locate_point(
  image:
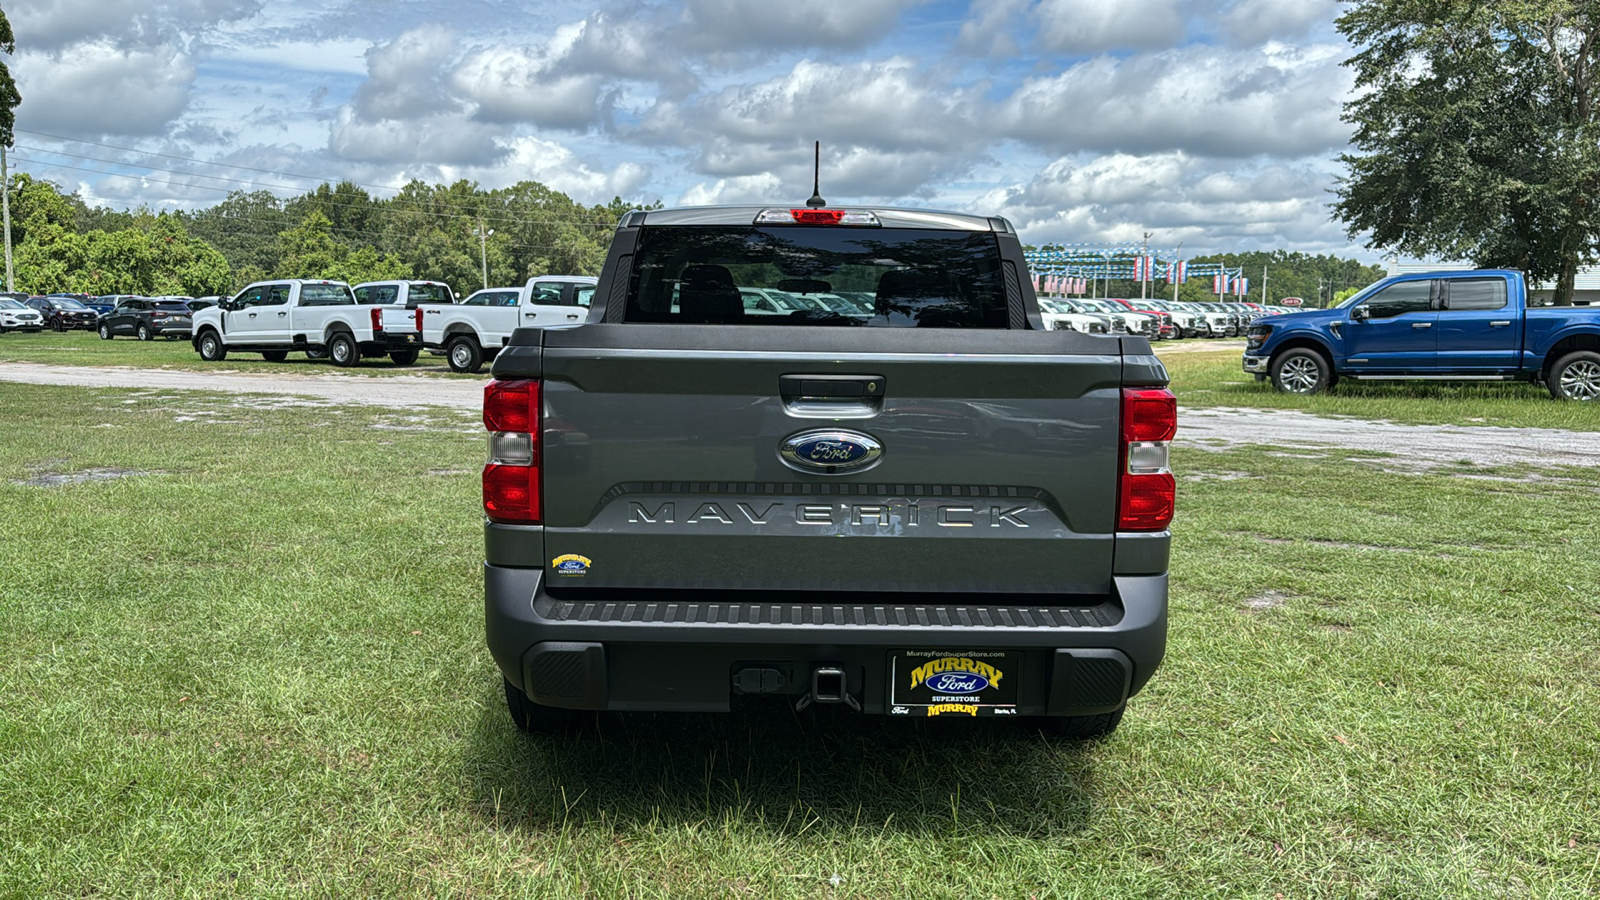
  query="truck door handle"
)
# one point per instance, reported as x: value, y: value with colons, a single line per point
x: 1421, y: 324
x: 573, y: 316
x: 282, y: 314
x: 252, y: 315
x: 1501, y: 324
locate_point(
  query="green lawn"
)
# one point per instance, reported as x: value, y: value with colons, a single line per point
x: 85, y: 348
x: 1216, y: 378
x: 257, y: 668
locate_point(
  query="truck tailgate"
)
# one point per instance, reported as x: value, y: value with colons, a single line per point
x: 663, y: 470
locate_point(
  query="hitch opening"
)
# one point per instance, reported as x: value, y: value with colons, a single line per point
x: 828, y: 685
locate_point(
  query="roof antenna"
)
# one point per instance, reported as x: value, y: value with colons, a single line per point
x: 816, y: 201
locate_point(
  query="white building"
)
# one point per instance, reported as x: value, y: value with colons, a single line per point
x: 1585, y: 288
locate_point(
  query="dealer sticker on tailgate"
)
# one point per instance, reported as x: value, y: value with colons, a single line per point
x: 951, y: 683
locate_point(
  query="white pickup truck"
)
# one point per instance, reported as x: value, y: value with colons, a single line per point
x: 318, y: 317
x: 475, y: 329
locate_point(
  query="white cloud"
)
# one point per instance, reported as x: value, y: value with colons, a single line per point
x: 100, y: 89
x: 886, y: 128
x: 1205, y: 204
x: 1278, y: 100
x: 55, y: 24
x: 1250, y: 22
x: 1091, y: 26
x: 722, y: 24
x: 550, y: 163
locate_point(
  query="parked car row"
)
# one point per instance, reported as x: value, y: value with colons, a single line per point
x: 1153, y: 319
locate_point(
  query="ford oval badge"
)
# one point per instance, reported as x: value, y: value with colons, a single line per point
x: 830, y: 452
x: 958, y: 682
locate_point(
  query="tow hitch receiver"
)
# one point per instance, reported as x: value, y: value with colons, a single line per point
x: 828, y: 686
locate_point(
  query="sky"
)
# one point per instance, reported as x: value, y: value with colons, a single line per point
x: 1213, y: 124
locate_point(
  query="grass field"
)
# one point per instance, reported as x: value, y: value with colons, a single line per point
x: 254, y: 665
x: 85, y: 348
x: 1216, y: 378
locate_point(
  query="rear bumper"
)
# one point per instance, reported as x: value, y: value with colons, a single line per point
x: 681, y: 652
x: 388, y: 342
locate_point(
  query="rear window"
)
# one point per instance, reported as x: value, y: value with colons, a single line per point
x: 172, y: 306
x: 326, y: 295
x: 884, y: 277
x: 428, y: 293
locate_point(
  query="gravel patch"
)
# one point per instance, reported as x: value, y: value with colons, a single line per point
x: 1415, y: 448
x: 398, y: 391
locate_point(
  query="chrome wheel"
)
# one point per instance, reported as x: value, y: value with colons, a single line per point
x: 340, y: 351
x: 461, y: 355
x: 1300, y: 375
x: 1581, y: 381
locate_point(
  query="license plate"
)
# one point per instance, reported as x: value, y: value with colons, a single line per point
x: 954, y: 683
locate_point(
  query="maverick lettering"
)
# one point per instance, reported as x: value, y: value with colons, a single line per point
x: 885, y: 514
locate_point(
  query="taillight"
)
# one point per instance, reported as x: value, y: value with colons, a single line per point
x: 512, y: 485
x: 377, y: 319
x: 1147, y: 494
x: 419, y: 318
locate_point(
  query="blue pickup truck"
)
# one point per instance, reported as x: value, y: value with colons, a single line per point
x: 1436, y: 326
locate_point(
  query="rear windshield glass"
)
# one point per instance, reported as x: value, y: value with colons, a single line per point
x: 173, y: 306
x: 903, y: 278
x: 325, y: 295
x: 428, y: 293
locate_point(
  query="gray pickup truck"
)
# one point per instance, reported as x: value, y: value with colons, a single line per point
x: 913, y: 499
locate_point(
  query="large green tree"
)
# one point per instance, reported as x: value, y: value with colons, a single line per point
x: 1477, y: 131
x: 9, y: 96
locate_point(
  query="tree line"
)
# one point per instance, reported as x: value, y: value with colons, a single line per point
x: 455, y: 233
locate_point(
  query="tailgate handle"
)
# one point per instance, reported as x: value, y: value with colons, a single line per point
x: 832, y: 387
x: 832, y: 396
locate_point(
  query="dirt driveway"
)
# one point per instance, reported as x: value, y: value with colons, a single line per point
x: 1415, y: 447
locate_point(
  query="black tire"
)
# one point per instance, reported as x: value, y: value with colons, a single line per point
x: 211, y: 347
x: 144, y: 333
x: 404, y: 357
x: 57, y: 326
x: 105, y: 332
x: 274, y: 355
x: 342, y: 349
x: 464, y: 354
x: 533, y: 718
x: 1301, y: 371
x: 1576, y: 376
x: 1080, y: 728
x: 316, y: 354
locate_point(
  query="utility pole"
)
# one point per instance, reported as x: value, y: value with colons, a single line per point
x: 1263, y: 285
x: 483, y: 249
x: 5, y: 202
x: 1178, y: 261
x: 1144, y: 284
